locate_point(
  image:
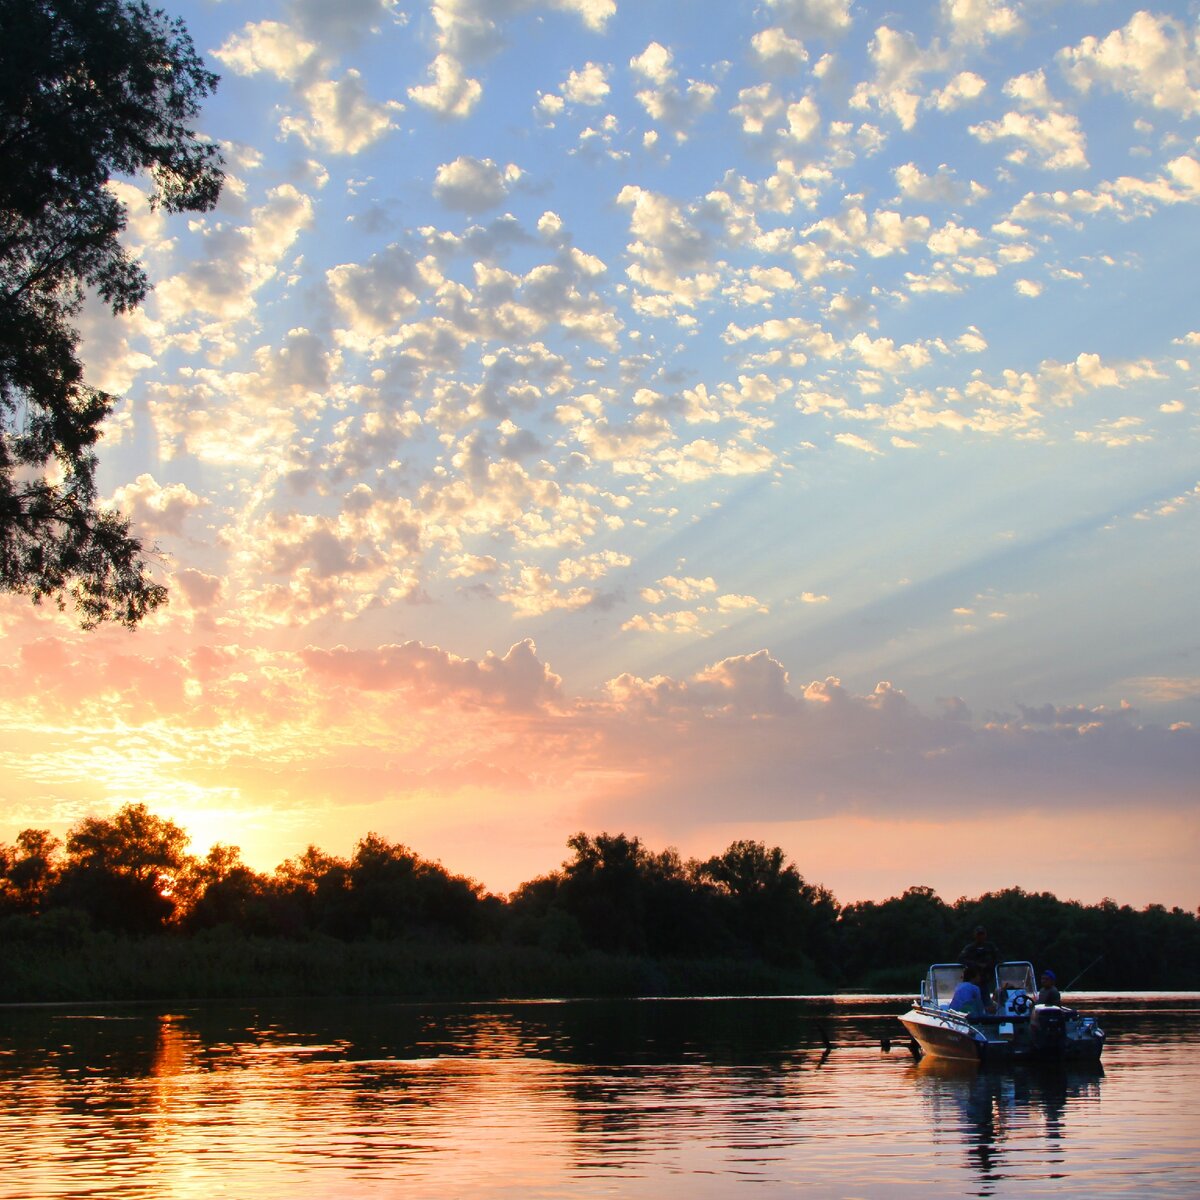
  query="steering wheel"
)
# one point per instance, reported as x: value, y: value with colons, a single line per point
x: 1019, y: 1005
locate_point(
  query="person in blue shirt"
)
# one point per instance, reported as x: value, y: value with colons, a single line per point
x: 967, y: 997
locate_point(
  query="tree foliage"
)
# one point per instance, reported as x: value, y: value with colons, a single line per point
x: 90, y: 90
x: 132, y: 873
x: 127, y: 871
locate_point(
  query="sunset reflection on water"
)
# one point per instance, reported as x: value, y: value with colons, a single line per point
x: 648, y: 1098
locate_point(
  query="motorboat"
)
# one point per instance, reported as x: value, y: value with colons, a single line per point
x: 1016, y: 1028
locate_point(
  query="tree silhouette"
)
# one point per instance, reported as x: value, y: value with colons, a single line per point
x: 771, y: 909
x: 30, y: 869
x: 128, y: 872
x: 89, y: 90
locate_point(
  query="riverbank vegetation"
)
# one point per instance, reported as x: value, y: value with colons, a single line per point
x: 121, y: 910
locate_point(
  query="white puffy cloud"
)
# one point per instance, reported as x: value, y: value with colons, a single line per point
x: 883, y: 354
x: 535, y: 592
x: 451, y: 92
x: 682, y: 621
x: 375, y: 297
x: 342, y: 118
x: 675, y: 106
x: 941, y: 187
x: 757, y: 108
x: 589, y: 85
x: 1056, y: 140
x: 672, y: 254
x: 1151, y: 59
x: 687, y: 587
x: 879, y: 234
x: 975, y: 21
x: 803, y: 119
x: 654, y: 64
x: 237, y: 260
x: 854, y: 441
x: 271, y: 47
x: 778, y: 51
x: 899, y: 64
x: 473, y: 185
x: 962, y: 89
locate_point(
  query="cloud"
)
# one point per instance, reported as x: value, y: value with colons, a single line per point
x: 237, y: 260
x: 899, y: 64
x: 271, y: 47
x: 451, y: 92
x: 431, y: 676
x: 676, y: 107
x: 976, y: 21
x: 475, y: 29
x: 201, y: 591
x: 1054, y: 137
x: 754, y: 684
x: 374, y: 297
x: 778, y: 51
x: 587, y: 86
x: 828, y: 751
x: 681, y: 621
x: 342, y: 118
x: 654, y: 64
x: 941, y: 187
x: 962, y: 89
x: 758, y: 108
x: 155, y: 509
x: 473, y: 185
x: 1056, y: 140
x: 854, y: 442
x: 803, y: 119
x: 1152, y: 59
x: 534, y: 593
x: 346, y: 23
x: 671, y: 251
x: 686, y: 588
x: 812, y: 18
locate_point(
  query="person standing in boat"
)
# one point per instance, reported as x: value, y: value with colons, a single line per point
x: 983, y: 956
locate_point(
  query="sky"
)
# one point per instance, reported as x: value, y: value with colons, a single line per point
x: 696, y: 420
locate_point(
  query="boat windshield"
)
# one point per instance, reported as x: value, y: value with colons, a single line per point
x: 1015, y: 977
x: 942, y: 981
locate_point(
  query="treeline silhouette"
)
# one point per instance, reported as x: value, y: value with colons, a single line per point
x: 627, y: 917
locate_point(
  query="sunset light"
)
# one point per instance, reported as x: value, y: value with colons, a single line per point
x: 702, y: 421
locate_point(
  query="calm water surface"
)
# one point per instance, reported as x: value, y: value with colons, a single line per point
x: 650, y: 1098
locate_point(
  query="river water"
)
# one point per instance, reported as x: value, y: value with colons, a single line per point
x: 653, y: 1098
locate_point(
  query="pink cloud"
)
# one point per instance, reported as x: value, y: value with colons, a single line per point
x: 517, y: 680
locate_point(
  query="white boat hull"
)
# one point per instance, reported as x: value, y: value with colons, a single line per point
x: 943, y: 1033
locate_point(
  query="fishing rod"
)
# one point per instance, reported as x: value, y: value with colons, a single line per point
x: 1082, y: 973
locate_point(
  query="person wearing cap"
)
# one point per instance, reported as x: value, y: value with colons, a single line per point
x: 1048, y: 993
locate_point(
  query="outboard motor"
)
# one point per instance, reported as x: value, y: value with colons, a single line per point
x: 1048, y: 1030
